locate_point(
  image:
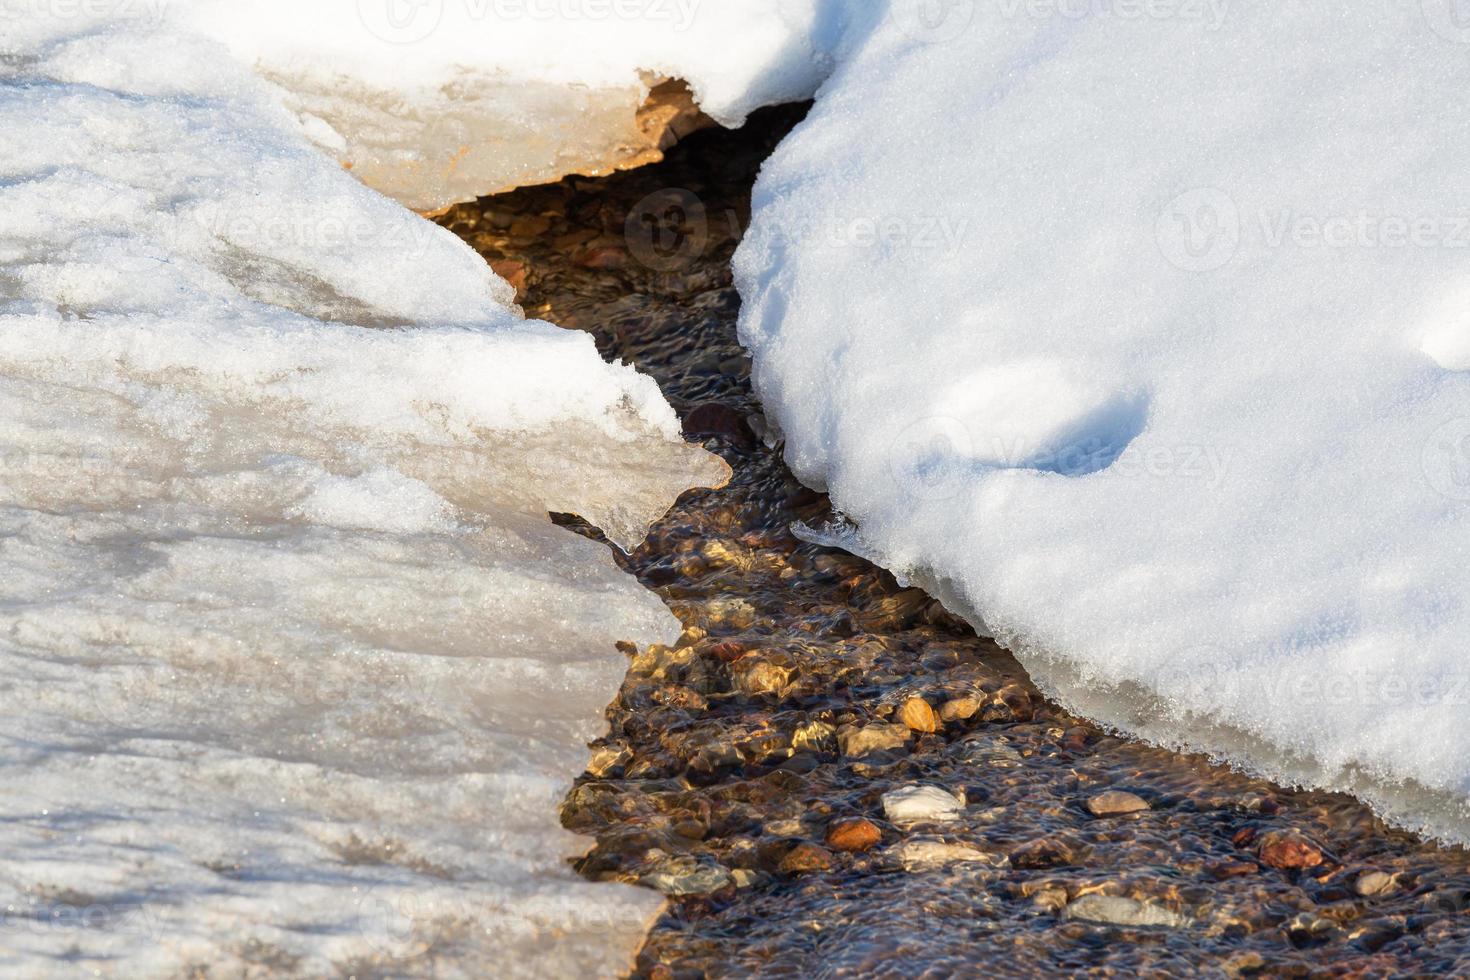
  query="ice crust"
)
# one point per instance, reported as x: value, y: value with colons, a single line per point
x: 1142, y: 340
x: 437, y: 101
x: 296, y: 671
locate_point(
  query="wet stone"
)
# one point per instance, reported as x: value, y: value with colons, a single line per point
x: 859, y: 741
x: 1115, y: 803
x: 805, y: 858
x: 855, y: 834
x: 1119, y: 911
x: 685, y: 876
x: 921, y: 804
x: 917, y: 716
x: 1288, y: 850
x: 926, y: 855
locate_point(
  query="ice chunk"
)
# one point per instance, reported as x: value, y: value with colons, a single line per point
x: 1139, y: 338
x: 436, y: 102
x: 296, y: 669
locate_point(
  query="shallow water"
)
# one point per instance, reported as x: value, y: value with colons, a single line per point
x: 724, y: 771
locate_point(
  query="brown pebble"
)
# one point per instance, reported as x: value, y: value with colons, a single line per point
x: 853, y: 835
x: 806, y: 857
x: 1288, y: 850
x: 1114, y: 803
x: 1042, y: 853
x: 530, y: 226
x: 918, y: 716
x: 959, y: 709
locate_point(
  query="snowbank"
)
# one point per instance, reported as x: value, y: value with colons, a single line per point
x: 1138, y: 333
x: 297, y: 671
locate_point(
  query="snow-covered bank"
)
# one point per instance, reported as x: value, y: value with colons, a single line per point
x: 1138, y: 336
x: 296, y: 670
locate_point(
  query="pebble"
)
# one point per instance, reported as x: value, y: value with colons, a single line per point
x: 925, y: 855
x: 1118, y: 911
x: 918, y: 716
x: 815, y: 736
x: 1043, y: 853
x: 1288, y: 850
x: 1114, y: 803
x: 959, y: 709
x: 854, y: 834
x: 913, y: 804
x: 685, y: 876
x: 530, y: 226
x: 988, y: 750
x: 1373, y: 883
x: 872, y: 738
x: 754, y: 677
x: 806, y: 857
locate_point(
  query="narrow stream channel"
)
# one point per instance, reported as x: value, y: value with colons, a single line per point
x: 808, y: 684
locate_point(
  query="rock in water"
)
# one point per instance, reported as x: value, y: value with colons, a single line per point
x: 918, y: 716
x: 1117, y: 911
x: 872, y: 738
x: 1288, y: 850
x: 917, y: 804
x: 925, y: 855
x: 804, y: 858
x: 857, y: 834
x: 1114, y: 803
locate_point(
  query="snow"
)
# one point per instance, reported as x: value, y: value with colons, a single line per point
x: 297, y: 671
x: 1138, y: 334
